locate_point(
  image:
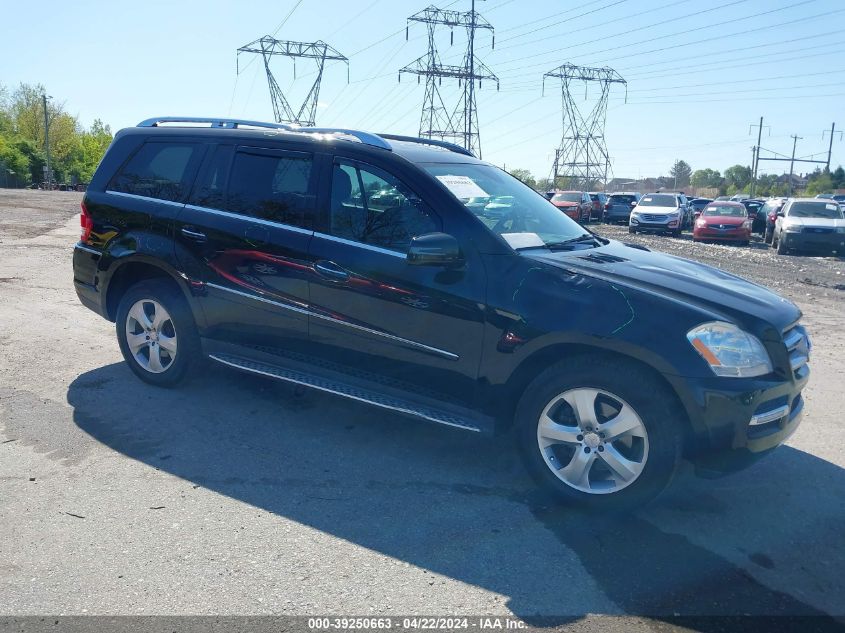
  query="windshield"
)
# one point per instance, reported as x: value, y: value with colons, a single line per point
x: 623, y: 199
x: 725, y: 210
x: 567, y: 197
x: 828, y: 210
x: 658, y: 200
x: 522, y: 217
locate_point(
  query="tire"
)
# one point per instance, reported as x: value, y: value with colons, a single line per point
x: 768, y: 235
x: 781, y: 247
x: 676, y: 233
x: 745, y: 243
x: 632, y: 230
x: 153, y: 302
x: 645, y: 457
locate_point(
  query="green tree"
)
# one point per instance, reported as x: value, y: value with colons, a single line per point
x: 706, y: 178
x: 525, y: 176
x: 680, y: 173
x: 738, y: 176
x: 838, y: 178
x: 821, y: 183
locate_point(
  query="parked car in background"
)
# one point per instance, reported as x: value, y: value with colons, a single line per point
x: 659, y: 213
x: 721, y: 198
x: 724, y: 221
x: 499, y: 206
x: 576, y: 204
x: 839, y: 197
x: 810, y: 225
x: 619, y: 206
x: 739, y: 197
x: 697, y: 205
x: 754, y: 208
x: 770, y: 213
x: 598, y: 199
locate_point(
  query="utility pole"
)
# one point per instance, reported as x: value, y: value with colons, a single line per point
x: 753, y: 169
x: 830, y: 146
x: 795, y: 138
x: 47, y: 142
x: 460, y: 123
x: 759, y: 127
x: 582, y: 157
x: 319, y: 51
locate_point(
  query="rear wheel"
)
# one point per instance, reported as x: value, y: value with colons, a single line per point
x: 157, y: 334
x: 598, y: 436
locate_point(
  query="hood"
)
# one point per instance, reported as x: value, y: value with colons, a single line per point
x: 721, y: 294
x: 730, y: 220
x: 655, y: 210
x: 820, y: 222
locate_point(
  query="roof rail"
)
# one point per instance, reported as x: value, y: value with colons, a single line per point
x: 221, y: 123
x: 364, y: 137
x: 429, y: 141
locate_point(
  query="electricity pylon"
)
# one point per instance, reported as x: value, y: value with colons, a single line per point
x: 460, y: 122
x: 582, y: 157
x: 319, y: 51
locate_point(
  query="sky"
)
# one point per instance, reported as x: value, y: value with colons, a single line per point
x: 699, y: 72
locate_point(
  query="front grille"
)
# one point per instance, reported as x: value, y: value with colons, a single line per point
x: 798, y: 346
x: 817, y: 229
x: 648, y: 217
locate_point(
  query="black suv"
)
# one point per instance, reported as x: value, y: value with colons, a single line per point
x: 354, y: 263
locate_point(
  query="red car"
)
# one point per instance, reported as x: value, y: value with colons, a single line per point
x: 725, y: 222
x: 576, y: 204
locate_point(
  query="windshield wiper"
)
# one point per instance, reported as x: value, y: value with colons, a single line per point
x: 581, y: 239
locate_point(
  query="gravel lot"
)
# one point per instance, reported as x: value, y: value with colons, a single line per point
x: 234, y: 495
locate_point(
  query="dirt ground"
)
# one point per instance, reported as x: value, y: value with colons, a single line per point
x: 235, y: 495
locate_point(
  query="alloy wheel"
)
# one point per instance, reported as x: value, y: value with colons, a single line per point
x: 592, y: 440
x: 151, y: 336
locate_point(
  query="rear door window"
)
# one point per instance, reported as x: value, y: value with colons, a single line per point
x: 273, y: 185
x: 157, y: 170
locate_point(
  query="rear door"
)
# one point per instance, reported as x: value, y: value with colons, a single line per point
x: 417, y: 327
x: 243, y: 239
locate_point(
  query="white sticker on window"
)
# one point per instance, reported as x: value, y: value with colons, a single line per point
x: 523, y: 240
x: 462, y: 186
x: 832, y: 207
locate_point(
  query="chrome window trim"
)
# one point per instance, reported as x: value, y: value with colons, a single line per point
x: 369, y: 247
x: 354, y: 326
x: 87, y: 249
x: 345, y: 395
x: 243, y: 216
x: 135, y: 196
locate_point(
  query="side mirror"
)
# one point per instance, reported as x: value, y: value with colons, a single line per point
x: 434, y: 249
x: 780, y: 214
x: 634, y: 203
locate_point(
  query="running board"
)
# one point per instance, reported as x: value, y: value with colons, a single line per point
x: 347, y: 390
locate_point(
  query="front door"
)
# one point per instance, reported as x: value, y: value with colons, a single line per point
x: 412, y: 326
x: 244, y: 238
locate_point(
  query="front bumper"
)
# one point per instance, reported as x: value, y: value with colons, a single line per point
x: 732, y: 234
x: 815, y: 242
x: 738, y: 420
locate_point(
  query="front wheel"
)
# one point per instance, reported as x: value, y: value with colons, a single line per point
x: 781, y: 246
x: 598, y: 436
x: 632, y: 230
x: 157, y: 334
x: 769, y: 234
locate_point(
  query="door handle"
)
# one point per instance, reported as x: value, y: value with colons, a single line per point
x: 196, y: 236
x: 331, y: 270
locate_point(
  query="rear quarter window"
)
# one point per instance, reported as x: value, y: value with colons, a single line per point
x: 156, y: 170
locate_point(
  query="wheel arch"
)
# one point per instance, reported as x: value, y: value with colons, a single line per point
x: 131, y: 270
x: 533, y: 365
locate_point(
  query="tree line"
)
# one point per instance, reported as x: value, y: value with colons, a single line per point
x: 736, y: 179
x: 75, y: 150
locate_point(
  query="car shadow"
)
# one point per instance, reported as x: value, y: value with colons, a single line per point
x: 767, y: 541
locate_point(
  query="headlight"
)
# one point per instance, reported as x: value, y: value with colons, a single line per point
x: 701, y: 223
x: 792, y: 228
x: 729, y: 350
